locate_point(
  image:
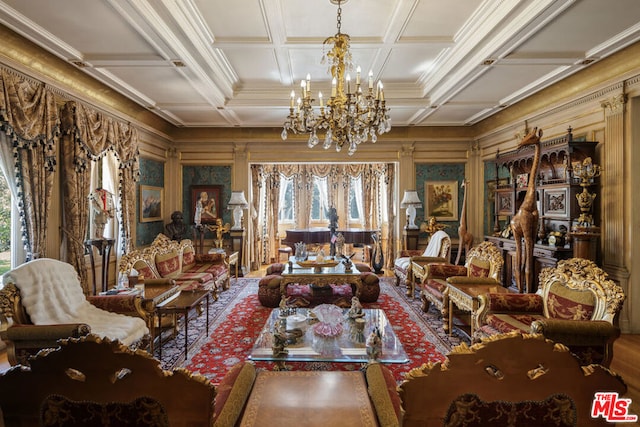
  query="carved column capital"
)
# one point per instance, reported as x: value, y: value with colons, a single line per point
x: 615, y: 104
x: 407, y: 150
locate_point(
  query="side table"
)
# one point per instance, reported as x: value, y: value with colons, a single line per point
x: 104, y: 248
x: 182, y: 304
x: 233, y: 259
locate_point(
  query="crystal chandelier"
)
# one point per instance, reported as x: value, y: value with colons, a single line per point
x: 350, y: 115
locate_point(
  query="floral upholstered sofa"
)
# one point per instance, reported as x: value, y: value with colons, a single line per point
x: 166, y: 258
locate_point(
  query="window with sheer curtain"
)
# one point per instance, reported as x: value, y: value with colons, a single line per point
x: 300, y: 195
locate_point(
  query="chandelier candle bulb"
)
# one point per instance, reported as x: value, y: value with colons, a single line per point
x: 370, y: 80
x: 309, y: 83
x: 348, y: 83
x: 333, y: 87
x: 358, y: 75
x: 320, y: 98
x: 293, y: 98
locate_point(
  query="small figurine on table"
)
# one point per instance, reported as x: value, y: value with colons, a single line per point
x: 339, y: 244
x: 432, y: 226
x: 279, y: 339
x: 102, y: 209
x: 219, y: 229
x: 356, y: 309
x: 374, y: 344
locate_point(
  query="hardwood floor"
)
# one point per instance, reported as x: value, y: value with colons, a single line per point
x: 626, y: 362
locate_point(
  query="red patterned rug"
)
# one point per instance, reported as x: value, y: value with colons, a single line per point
x: 237, y: 327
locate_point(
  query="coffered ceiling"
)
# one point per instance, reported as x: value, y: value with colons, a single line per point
x: 202, y: 63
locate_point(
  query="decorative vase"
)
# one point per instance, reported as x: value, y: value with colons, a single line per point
x: 377, y: 257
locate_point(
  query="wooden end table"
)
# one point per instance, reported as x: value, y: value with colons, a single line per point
x: 465, y: 297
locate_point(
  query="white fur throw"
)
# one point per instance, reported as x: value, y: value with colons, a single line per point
x: 435, y: 243
x: 51, y: 294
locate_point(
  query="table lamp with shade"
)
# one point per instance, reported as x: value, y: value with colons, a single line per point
x: 237, y: 202
x: 409, y: 202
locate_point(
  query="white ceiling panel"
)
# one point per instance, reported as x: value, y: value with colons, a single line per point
x: 163, y: 85
x: 500, y: 81
x: 234, y: 63
x: 222, y: 19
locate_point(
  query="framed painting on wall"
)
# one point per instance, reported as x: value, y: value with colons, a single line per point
x: 151, y: 203
x: 441, y: 200
x: 209, y: 198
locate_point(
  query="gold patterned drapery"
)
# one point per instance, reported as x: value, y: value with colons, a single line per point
x: 267, y: 177
x: 29, y: 118
x: 87, y: 134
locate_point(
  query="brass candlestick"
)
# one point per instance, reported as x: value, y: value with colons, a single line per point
x: 586, y: 171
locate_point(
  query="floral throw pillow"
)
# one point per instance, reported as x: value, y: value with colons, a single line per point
x: 168, y: 265
x: 478, y: 267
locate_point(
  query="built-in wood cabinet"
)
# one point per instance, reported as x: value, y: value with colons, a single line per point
x: 556, y: 187
x: 543, y: 255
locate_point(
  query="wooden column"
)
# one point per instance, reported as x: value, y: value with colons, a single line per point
x: 611, y: 181
x: 612, y: 195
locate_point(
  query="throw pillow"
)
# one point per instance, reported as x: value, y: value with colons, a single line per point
x: 188, y: 257
x: 144, y: 270
x: 478, y: 267
x: 168, y: 264
x: 570, y: 304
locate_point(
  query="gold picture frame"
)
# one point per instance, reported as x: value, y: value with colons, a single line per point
x: 441, y: 200
x: 151, y: 203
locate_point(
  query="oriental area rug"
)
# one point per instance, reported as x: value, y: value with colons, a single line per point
x: 237, y: 318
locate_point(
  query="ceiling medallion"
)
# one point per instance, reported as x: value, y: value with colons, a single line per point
x: 349, y: 117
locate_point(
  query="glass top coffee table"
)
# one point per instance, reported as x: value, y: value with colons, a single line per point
x: 307, y: 345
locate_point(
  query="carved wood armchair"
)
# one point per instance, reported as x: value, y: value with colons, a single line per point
x: 43, y: 301
x: 102, y: 382
x: 510, y: 379
x: 576, y: 304
x: 482, y: 261
x: 438, y: 251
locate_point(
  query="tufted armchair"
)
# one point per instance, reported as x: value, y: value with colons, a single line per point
x: 576, y: 304
x: 483, y: 261
x: 438, y: 250
x: 42, y: 301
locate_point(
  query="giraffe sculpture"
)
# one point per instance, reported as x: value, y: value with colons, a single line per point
x: 465, y: 238
x: 525, y: 222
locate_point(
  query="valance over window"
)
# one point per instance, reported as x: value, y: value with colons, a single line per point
x: 87, y: 135
x: 29, y: 130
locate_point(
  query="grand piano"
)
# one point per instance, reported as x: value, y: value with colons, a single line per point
x: 320, y: 235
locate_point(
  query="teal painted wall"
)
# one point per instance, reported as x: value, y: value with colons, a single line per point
x: 439, y: 172
x: 151, y: 173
